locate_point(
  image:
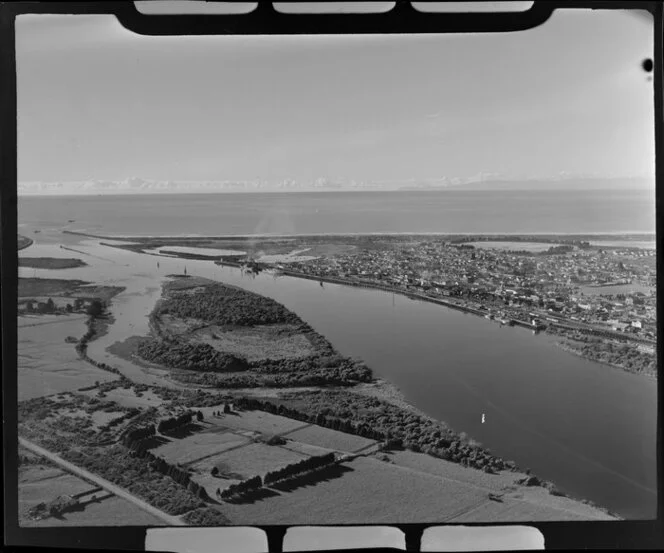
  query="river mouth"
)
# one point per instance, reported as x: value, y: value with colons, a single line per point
x: 516, y: 393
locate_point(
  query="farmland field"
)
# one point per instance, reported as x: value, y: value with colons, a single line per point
x: 112, y: 510
x: 448, y: 469
x: 514, y: 510
x: 304, y: 449
x: 260, y: 421
x: 250, y: 460
x: 238, y: 464
x: 61, y: 370
x: 388, y: 495
x: 330, y: 439
x: 50, y: 262
x: 41, y: 484
x: 28, y: 287
x: 198, y: 445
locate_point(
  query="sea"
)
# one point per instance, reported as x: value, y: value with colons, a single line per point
x: 440, y: 211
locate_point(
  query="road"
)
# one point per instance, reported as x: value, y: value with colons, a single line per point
x: 69, y: 467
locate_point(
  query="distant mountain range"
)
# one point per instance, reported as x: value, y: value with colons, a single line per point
x: 135, y: 185
x: 573, y: 183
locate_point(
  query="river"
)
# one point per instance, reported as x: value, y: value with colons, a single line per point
x: 589, y: 428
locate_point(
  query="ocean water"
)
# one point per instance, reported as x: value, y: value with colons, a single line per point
x: 446, y: 211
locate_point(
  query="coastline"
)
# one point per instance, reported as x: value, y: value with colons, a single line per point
x: 609, y: 234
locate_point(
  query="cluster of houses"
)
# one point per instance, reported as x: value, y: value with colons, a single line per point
x: 582, y: 285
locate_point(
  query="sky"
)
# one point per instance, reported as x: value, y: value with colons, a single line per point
x: 96, y: 101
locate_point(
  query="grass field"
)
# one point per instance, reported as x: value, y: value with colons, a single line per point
x: 513, y: 510
x: 199, y: 445
x: 370, y: 491
x: 304, y: 449
x: 112, y: 511
x: 128, y: 398
x: 366, y: 490
x: 274, y: 341
x: 440, y: 467
x: 34, y: 287
x: 330, y: 439
x: 104, y: 293
x: 258, y: 421
x: 40, y: 484
x: 244, y: 462
x: 48, y: 365
x: 250, y: 460
x: 28, y: 287
x: 257, y: 342
x: 50, y: 262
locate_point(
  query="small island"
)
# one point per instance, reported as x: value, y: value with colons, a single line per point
x: 24, y: 242
x: 50, y: 262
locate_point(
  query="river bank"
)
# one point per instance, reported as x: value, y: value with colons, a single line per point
x: 421, y: 353
x: 576, y: 349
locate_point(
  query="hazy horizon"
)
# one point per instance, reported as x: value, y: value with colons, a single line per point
x: 97, y: 102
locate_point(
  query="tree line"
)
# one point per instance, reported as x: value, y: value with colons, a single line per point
x: 82, y: 347
x: 348, y: 375
x: 133, y: 436
x: 194, y: 357
x: 171, y: 423
x: 241, y: 488
x: 176, y: 473
x: 224, y: 305
x: 288, y: 472
x: 299, y: 467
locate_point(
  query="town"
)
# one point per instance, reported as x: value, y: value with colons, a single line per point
x: 565, y: 288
